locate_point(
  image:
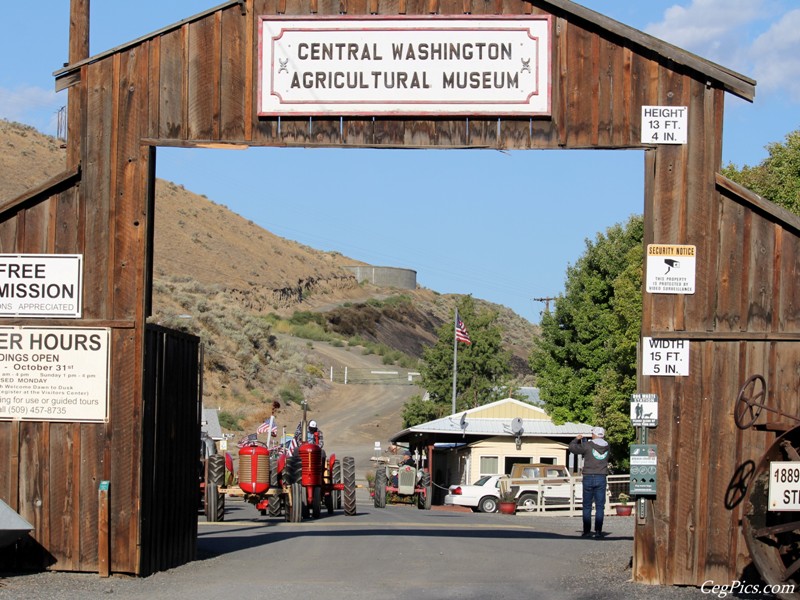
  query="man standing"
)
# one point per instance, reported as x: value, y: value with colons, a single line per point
x: 595, y: 469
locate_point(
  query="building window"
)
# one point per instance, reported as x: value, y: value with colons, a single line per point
x: 489, y: 465
x: 547, y: 460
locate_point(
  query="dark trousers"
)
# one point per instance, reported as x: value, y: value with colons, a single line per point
x: 594, y: 490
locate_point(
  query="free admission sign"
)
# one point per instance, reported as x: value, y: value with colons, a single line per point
x: 41, y: 285
x: 404, y: 66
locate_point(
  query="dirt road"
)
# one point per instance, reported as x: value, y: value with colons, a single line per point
x: 356, y: 415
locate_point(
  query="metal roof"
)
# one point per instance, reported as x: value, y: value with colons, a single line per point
x: 450, y: 428
x: 210, y: 423
x: 12, y: 526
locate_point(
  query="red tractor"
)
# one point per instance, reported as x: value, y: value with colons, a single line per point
x: 297, y: 485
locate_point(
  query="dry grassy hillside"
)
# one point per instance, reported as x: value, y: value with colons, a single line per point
x: 236, y: 285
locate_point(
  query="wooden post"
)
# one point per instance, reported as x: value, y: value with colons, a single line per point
x: 78, y: 50
x: 103, y: 529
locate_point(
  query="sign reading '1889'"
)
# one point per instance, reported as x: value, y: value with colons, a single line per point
x: 405, y: 66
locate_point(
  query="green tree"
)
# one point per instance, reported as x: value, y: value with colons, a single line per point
x: 777, y: 178
x: 585, y: 359
x: 483, y: 367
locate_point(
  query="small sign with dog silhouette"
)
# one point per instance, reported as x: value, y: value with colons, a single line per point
x: 644, y: 410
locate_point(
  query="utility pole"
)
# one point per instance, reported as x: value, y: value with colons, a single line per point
x: 546, y: 302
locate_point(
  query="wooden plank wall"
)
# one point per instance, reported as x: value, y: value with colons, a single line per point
x: 197, y: 84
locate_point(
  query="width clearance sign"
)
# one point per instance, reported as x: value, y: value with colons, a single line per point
x: 405, y: 66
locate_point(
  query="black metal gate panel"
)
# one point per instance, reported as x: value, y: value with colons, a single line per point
x: 170, y: 449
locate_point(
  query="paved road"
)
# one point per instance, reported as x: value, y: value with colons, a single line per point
x: 396, y: 552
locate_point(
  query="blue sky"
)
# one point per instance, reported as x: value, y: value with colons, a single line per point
x: 502, y: 226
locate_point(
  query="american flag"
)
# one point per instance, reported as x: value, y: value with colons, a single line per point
x: 268, y: 426
x: 292, y: 446
x: 248, y: 440
x: 461, y: 331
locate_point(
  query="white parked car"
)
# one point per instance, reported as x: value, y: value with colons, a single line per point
x: 482, y: 495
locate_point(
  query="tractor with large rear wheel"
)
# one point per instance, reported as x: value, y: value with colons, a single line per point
x: 212, y: 479
x: 298, y: 484
x: 402, y: 480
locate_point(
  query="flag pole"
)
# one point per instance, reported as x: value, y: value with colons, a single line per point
x: 455, y: 359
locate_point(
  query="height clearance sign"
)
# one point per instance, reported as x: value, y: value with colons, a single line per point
x: 405, y: 66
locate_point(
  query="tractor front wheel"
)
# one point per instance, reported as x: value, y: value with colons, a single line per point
x: 380, y: 488
x: 215, y: 504
x: 349, y: 477
x: 316, y: 502
x: 295, y: 510
x: 425, y: 499
x: 274, y: 506
x: 336, y: 496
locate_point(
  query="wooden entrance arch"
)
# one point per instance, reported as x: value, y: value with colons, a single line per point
x: 194, y: 84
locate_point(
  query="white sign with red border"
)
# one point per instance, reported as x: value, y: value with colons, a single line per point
x: 404, y: 66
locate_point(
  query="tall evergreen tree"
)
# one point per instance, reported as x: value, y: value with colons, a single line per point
x: 483, y: 367
x: 585, y: 359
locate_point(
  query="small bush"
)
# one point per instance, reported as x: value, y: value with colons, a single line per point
x: 230, y: 421
x: 290, y: 393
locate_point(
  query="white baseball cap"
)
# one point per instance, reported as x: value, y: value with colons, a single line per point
x: 599, y: 432
x: 312, y: 424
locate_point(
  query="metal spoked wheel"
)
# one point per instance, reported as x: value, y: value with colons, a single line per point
x: 750, y: 401
x: 773, y: 537
x: 349, y: 480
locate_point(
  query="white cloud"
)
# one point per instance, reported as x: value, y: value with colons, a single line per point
x: 31, y: 105
x: 776, y: 56
x: 732, y: 33
x: 713, y: 29
x: 705, y: 24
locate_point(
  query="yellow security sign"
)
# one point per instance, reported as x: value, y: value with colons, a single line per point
x: 670, y: 269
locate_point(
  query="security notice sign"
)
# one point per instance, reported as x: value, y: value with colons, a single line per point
x: 670, y: 269
x: 54, y: 374
x: 405, y: 66
x: 41, y: 285
x: 665, y: 357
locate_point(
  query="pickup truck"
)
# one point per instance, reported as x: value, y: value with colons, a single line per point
x: 554, y: 482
